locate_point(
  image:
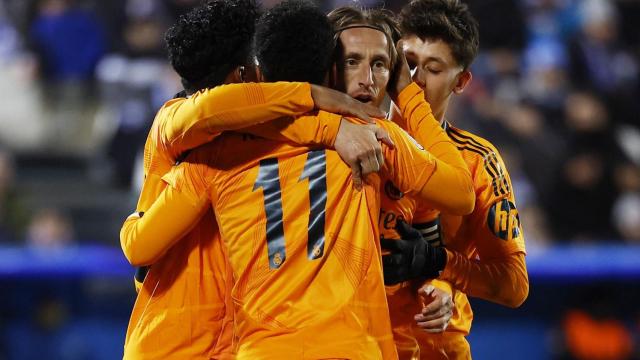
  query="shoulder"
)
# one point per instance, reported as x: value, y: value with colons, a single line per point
x: 471, y: 143
x: 483, y: 159
x: 165, y: 115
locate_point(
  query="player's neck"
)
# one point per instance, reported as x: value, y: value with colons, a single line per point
x: 440, y: 116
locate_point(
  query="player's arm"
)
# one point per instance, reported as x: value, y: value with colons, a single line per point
x: 500, y: 273
x: 416, y: 117
x: 198, y: 119
x: 417, y: 172
x: 418, y: 120
x: 152, y: 186
x: 145, y: 238
x: 501, y: 280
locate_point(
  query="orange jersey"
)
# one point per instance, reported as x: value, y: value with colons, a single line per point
x: 485, y: 249
x: 301, y: 241
x: 492, y: 233
x: 183, y: 306
x: 402, y: 298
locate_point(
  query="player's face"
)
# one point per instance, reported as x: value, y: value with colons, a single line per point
x: 435, y: 70
x: 363, y: 67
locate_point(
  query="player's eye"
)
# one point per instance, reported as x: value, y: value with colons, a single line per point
x: 351, y: 62
x: 379, y: 65
x: 434, y: 71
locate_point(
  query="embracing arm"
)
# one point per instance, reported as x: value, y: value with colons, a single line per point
x: 144, y: 239
x: 451, y: 186
x: 198, y: 119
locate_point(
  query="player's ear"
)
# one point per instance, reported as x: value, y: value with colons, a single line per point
x: 464, y: 78
x: 250, y: 74
x: 235, y: 76
x: 259, y: 75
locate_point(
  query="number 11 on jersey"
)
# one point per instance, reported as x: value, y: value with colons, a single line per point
x: 315, y: 170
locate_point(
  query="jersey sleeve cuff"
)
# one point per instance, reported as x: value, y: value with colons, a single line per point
x: 329, y: 126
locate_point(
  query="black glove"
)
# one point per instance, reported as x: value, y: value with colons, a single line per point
x: 411, y: 257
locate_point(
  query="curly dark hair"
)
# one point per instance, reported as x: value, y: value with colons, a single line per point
x: 448, y: 20
x: 294, y: 42
x: 382, y: 19
x: 212, y: 39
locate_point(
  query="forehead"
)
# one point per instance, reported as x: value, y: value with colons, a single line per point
x: 429, y: 49
x: 359, y: 39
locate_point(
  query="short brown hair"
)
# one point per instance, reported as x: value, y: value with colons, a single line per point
x: 448, y: 20
x: 381, y: 19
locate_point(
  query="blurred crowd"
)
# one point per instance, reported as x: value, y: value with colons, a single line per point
x: 555, y: 88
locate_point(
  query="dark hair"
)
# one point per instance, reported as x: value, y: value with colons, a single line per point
x: 380, y: 19
x: 294, y: 42
x: 448, y: 20
x: 212, y: 39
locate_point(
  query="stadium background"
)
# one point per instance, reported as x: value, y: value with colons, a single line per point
x: 556, y: 87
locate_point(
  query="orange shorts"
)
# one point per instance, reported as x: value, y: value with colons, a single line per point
x: 443, y: 346
x: 446, y: 346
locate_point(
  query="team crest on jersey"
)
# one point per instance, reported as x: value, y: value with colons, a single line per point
x: 503, y: 220
x: 392, y: 191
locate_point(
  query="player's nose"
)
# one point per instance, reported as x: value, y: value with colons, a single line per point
x: 365, y: 76
x: 419, y: 77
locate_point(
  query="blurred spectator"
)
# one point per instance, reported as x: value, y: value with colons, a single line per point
x: 626, y: 216
x: 511, y: 24
x: 600, y: 62
x: 134, y: 84
x: 551, y: 19
x: 13, y: 215
x: 537, y: 232
x: 68, y: 42
x: 538, y: 143
x: 50, y: 230
x: 545, y: 78
x: 21, y: 117
x: 581, y: 200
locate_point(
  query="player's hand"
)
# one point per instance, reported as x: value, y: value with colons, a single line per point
x: 411, y: 257
x: 402, y: 74
x: 337, y: 102
x: 359, y: 147
x: 437, y: 309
